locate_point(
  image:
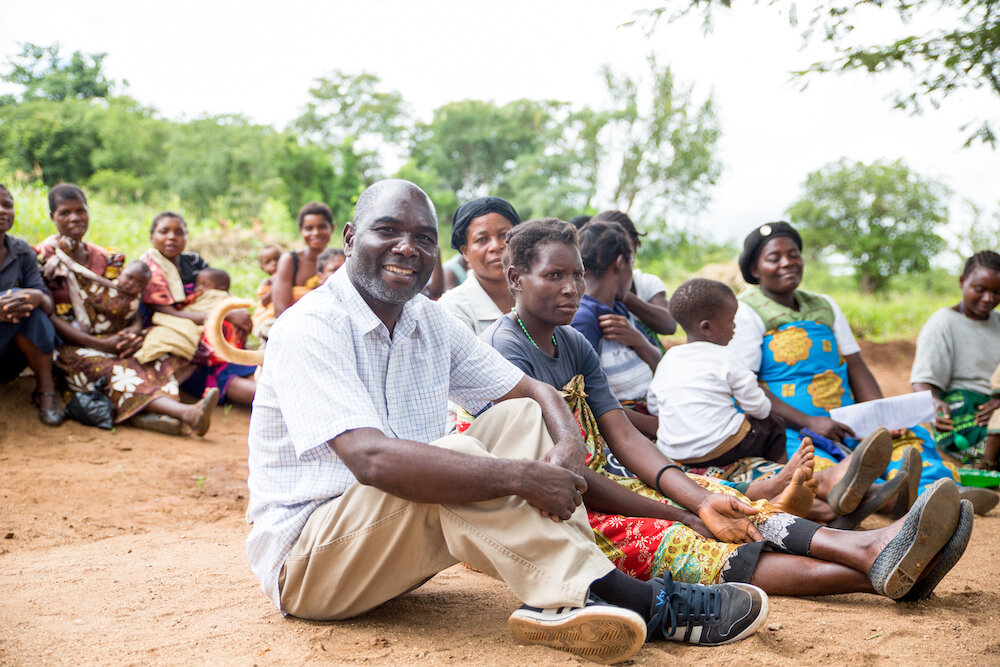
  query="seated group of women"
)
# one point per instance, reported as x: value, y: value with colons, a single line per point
x: 77, y: 313
x: 555, y: 302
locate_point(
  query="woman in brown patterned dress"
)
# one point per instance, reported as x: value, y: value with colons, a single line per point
x: 101, y: 330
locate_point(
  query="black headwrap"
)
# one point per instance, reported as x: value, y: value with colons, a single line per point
x: 475, y: 208
x: 756, y: 240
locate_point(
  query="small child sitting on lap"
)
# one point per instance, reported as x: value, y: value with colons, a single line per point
x: 177, y: 335
x: 263, y: 316
x: 328, y: 262
x: 268, y: 261
x: 694, y: 386
x: 112, y: 305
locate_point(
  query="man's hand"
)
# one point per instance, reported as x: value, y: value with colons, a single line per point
x: 986, y: 411
x: 553, y: 489
x: 726, y: 517
x: 569, y: 454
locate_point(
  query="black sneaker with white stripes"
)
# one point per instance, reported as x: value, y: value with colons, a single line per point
x: 707, y: 615
x: 598, y: 631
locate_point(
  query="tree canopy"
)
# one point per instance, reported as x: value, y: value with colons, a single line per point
x: 880, y: 215
x: 962, y: 52
x: 650, y: 151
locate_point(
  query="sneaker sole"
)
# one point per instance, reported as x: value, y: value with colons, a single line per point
x: 868, y: 462
x: 601, y: 634
x: 950, y: 555
x: 927, y: 528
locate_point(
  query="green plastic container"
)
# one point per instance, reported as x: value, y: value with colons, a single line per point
x: 973, y: 477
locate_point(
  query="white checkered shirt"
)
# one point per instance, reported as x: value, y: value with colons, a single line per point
x: 331, y: 367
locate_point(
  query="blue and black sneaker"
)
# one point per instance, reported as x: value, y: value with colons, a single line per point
x: 707, y: 615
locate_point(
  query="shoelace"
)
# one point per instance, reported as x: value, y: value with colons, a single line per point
x: 688, y: 605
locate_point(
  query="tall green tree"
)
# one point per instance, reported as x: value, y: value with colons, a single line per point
x: 45, y: 75
x: 882, y: 216
x: 474, y: 145
x: 962, y: 52
x: 354, y: 113
x: 52, y: 141
x: 663, y: 149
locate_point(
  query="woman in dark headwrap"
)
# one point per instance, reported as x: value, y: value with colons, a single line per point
x: 479, y: 232
x: 805, y: 355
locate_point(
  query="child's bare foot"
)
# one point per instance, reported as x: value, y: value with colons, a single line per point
x: 774, y: 486
x: 797, y: 498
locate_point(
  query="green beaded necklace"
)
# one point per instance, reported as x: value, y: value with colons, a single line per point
x: 530, y: 339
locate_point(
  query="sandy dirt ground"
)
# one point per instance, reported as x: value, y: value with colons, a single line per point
x: 127, y: 547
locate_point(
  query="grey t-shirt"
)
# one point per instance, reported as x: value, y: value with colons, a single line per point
x: 955, y: 352
x: 576, y: 357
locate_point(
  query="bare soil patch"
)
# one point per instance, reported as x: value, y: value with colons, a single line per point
x: 127, y: 547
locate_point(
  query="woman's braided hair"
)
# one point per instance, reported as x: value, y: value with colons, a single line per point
x: 601, y: 243
x: 985, y: 258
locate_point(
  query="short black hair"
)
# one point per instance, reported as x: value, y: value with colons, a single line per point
x: 698, y: 299
x: 985, y: 258
x: 218, y: 277
x: 139, y: 264
x: 620, y: 218
x: 601, y: 243
x: 65, y: 192
x: 270, y: 247
x: 579, y: 221
x: 327, y: 255
x: 316, y: 208
x: 163, y: 216
x: 5, y: 189
x: 526, y: 240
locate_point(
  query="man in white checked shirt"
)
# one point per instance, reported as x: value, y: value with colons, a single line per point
x: 352, y: 507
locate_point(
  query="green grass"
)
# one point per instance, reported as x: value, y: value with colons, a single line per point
x: 896, y: 313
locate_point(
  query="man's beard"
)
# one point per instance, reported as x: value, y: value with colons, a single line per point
x: 378, y: 290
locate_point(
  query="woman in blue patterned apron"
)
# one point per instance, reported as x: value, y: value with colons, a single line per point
x: 802, y: 349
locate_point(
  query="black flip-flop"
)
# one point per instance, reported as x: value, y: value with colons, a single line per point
x: 983, y: 500
x: 949, y: 556
x: 928, y: 526
x: 913, y: 464
x: 867, y: 464
x: 869, y: 507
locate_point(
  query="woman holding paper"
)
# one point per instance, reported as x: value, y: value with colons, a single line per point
x: 957, y: 350
x: 804, y: 353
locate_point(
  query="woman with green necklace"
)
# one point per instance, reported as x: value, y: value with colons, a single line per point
x: 642, y: 524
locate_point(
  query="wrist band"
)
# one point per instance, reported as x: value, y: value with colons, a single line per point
x: 660, y: 473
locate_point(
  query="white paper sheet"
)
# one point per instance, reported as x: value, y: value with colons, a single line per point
x: 894, y: 412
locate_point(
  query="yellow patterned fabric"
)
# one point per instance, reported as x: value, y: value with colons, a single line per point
x: 644, y: 547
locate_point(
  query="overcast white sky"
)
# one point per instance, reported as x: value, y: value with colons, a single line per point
x: 258, y: 58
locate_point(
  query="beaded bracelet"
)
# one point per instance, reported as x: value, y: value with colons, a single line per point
x: 661, y: 471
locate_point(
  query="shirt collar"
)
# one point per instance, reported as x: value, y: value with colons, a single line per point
x: 361, y: 313
x: 482, y: 305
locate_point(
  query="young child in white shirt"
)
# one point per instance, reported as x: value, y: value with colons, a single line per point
x: 695, y: 385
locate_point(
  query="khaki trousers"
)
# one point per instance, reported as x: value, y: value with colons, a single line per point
x: 366, y: 546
